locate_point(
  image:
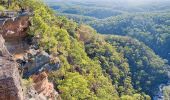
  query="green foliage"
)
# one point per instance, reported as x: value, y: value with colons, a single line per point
x: 57, y: 34
x: 166, y: 92
x: 78, y: 62
x: 2, y: 8
x: 27, y: 82
x: 112, y: 63
x: 53, y: 36
x: 92, y: 66
x: 74, y: 86
x: 13, y: 5
x: 150, y: 28
x: 135, y: 97
x: 146, y: 68
x: 149, y: 20
x: 98, y: 84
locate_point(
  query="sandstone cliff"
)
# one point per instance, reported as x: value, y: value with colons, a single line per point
x: 44, y: 87
x: 10, y: 81
x: 14, y: 27
x: 17, y: 54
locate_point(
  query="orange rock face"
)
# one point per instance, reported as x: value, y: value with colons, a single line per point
x: 14, y: 27
x: 14, y: 30
x: 43, y: 86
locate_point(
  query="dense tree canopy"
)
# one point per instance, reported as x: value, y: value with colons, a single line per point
x: 99, y: 67
x: 152, y: 29
x: 147, y: 69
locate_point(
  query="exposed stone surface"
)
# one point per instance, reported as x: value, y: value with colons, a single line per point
x: 3, y: 50
x: 13, y: 30
x: 16, y: 46
x: 31, y: 94
x: 40, y: 88
x: 10, y: 84
x: 44, y: 87
x: 14, y: 27
x: 33, y: 61
x: 37, y: 61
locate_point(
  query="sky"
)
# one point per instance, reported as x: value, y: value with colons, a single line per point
x: 132, y: 2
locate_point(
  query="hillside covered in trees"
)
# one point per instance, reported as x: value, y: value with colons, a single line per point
x: 95, y: 66
x: 137, y: 19
x: 150, y: 28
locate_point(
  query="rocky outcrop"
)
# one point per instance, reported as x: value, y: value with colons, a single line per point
x: 37, y: 61
x: 31, y: 62
x: 14, y: 27
x: 40, y: 89
x: 44, y: 87
x: 31, y: 94
x: 14, y: 31
x: 10, y: 84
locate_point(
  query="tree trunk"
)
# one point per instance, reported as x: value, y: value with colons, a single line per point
x: 9, y: 3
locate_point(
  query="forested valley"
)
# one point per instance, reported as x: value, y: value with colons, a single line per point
x: 145, y: 25
x: 106, y: 49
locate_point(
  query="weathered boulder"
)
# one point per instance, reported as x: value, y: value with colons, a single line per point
x: 31, y: 94
x: 44, y: 87
x: 39, y: 88
x: 10, y: 84
x: 37, y: 61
